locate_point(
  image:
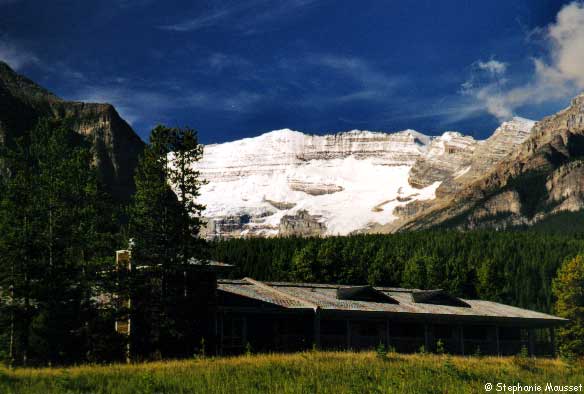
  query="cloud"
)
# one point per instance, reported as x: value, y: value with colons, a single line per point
x: 152, y: 104
x: 358, y: 70
x: 493, y: 66
x: 249, y: 14
x: 208, y: 19
x: 242, y: 101
x: 567, y: 37
x: 557, y: 75
x: 133, y: 104
x: 218, y: 62
x: 16, y: 57
x: 353, y: 79
x: 144, y: 103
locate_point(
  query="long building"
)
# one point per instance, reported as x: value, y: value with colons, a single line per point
x: 277, y: 316
x: 234, y: 315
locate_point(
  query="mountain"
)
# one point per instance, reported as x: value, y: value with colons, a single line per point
x: 287, y: 182
x: 115, y: 145
x: 540, y: 181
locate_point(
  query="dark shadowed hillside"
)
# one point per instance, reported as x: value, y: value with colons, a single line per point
x: 115, y: 145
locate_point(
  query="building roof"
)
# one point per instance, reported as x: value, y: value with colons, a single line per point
x: 418, y: 303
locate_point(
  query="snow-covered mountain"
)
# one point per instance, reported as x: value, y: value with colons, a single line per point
x: 288, y: 182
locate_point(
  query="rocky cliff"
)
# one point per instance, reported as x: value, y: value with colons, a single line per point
x: 487, y: 154
x: 115, y: 145
x: 539, y: 178
x: 287, y: 182
x: 447, y: 156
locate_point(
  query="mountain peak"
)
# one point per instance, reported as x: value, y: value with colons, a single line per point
x: 578, y: 100
x: 520, y: 120
x: 540, y: 178
x: 22, y: 87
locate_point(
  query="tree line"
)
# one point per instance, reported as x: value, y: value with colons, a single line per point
x: 59, y: 229
x: 511, y: 267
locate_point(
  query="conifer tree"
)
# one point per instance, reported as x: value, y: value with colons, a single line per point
x: 568, y: 288
x: 187, y: 182
x: 50, y: 232
x: 164, y: 227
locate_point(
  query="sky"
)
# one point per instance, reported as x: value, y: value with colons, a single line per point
x: 237, y: 68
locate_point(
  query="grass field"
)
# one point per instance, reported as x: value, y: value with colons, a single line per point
x: 310, y: 372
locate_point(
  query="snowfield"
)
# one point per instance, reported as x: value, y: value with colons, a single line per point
x: 350, y: 179
x: 346, y: 181
x: 365, y: 184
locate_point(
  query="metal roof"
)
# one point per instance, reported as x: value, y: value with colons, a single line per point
x: 324, y: 297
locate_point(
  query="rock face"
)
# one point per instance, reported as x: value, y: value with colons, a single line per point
x: 287, y: 182
x: 487, y: 154
x: 115, y: 145
x: 302, y: 223
x: 447, y: 155
x: 541, y: 177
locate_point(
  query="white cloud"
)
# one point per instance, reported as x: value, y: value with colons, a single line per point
x: 356, y: 69
x: 250, y: 15
x: 567, y: 37
x: 493, y: 66
x: 206, y: 19
x: 364, y: 81
x: 16, y: 57
x: 558, y: 77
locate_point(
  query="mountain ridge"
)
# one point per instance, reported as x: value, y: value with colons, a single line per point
x: 290, y: 183
x: 540, y: 178
x: 115, y: 145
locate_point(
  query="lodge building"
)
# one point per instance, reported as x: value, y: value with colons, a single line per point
x: 276, y: 316
x: 285, y: 317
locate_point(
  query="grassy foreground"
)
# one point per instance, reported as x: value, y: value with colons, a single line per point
x: 310, y: 372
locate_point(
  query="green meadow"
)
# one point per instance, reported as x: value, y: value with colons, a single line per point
x: 308, y: 372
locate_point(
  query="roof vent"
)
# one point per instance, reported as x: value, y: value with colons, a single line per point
x: 437, y: 297
x: 364, y: 293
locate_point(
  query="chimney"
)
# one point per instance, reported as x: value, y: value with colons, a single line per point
x: 123, y: 322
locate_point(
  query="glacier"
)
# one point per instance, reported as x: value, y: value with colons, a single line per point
x: 345, y: 182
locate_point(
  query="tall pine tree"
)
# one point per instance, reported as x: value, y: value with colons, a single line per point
x: 51, y: 240
x: 164, y: 227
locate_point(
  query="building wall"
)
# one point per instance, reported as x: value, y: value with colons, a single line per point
x: 281, y: 332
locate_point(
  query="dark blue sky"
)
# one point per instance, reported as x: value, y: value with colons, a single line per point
x: 238, y: 68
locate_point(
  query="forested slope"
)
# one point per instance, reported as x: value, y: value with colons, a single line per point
x: 510, y: 267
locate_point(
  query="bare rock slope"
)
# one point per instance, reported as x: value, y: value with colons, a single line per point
x: 541, y: 177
